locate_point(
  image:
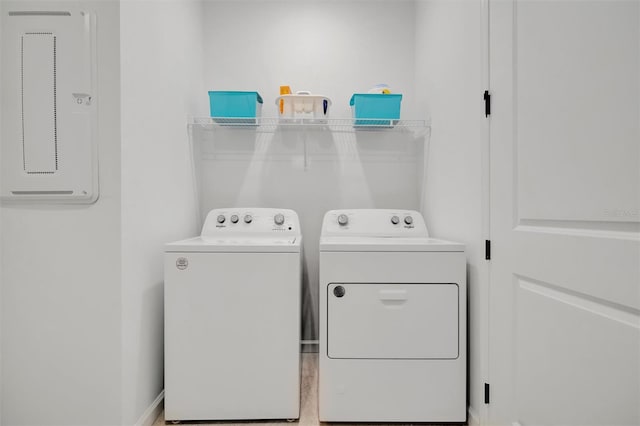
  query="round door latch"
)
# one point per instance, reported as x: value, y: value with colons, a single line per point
x: 338, y: 291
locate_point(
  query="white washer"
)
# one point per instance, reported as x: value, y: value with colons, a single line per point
x: 392, y: 320
x: 232, y: 318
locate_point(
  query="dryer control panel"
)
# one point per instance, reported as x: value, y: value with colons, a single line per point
x: 374, y: 223
x: 251, y: 221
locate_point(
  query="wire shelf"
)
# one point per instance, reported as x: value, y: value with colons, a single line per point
x: 266, y: 124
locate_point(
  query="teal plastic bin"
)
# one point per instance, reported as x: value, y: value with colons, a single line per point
x: 375, y: 109
x: 235, y: 107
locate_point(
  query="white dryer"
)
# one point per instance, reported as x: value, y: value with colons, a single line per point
x: 232, y: 318
x: 392, y: 320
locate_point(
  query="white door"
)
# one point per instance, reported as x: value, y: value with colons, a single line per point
x: 565, y: 189
x: 364, y: 320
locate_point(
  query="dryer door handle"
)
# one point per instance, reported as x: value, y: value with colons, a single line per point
x: 393, y: 295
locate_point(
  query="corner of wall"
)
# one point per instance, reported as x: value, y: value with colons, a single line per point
x: 161, y: 70
x: 449, y: 67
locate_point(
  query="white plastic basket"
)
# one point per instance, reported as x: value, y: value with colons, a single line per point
x: 303, y: 105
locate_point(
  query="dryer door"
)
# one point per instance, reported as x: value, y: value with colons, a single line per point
x: 392, y: 320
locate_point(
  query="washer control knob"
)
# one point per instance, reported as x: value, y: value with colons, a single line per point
x: 278, y: 219
x: 343, y: 219
x: 221, y: 218
x: 234, y: 218
x: 338, y: 291
x: 248, y: 218
x: 395, y: 220
x: 408, y: 220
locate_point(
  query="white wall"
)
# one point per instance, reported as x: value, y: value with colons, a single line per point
x: 334, y: 48
x: 1, y: 234
x: 81, y: 306
x: 161, y: 68
x: 82, y: 318
x: 449, y: 76
x: 61, y: 310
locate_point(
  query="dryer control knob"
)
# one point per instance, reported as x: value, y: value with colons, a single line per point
x: 278, y: 219
x: 395, y: 220
x: 234, y: 218
x: 408, y: 220
x: 221, y: 218
x: 248, y: 218
x: 343, y: 219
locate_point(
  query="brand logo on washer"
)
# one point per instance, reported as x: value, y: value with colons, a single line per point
x: 182, y: 263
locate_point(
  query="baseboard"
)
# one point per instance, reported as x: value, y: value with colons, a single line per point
x: 152, y: 412
x: 473, y: 420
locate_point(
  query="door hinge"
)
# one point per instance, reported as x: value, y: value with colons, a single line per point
x: 487, y: 103
x: 487, y: 249
x: 486, y: 393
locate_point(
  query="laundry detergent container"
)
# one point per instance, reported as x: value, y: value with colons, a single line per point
x: 235, y: 107
x: 375, y: 109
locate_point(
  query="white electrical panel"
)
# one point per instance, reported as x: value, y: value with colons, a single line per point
x: 49, y: 149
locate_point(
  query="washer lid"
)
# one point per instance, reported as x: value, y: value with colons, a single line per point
x: 390, y: 244
x: 237, y: 244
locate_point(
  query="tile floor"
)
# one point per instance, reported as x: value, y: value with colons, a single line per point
x: 308, y: 403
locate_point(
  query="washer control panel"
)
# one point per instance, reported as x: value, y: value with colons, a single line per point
x: 264, y: 221
x: 374, y: 223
